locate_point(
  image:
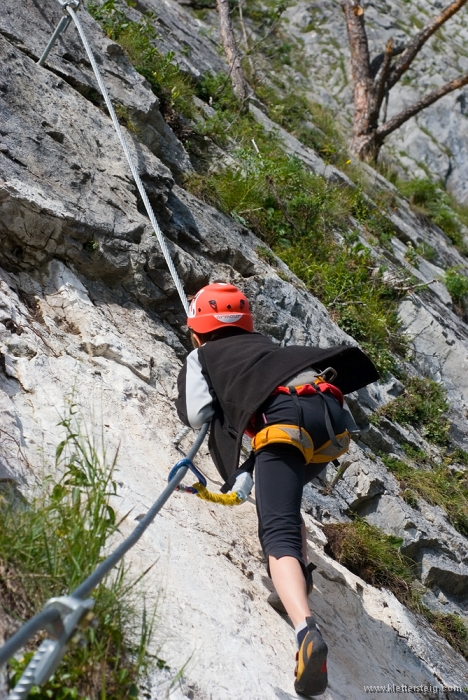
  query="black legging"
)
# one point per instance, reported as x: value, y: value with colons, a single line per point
x: 281, y: 472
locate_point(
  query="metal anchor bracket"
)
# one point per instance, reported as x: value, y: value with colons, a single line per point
x: 73, y: 612
x: 75, y: 4
x: 61, y: 27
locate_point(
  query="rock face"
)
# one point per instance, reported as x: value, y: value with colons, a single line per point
x: 87, y: 308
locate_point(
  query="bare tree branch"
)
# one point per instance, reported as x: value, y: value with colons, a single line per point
x: 415, y: 45
x: 376, y: 62
x: 396, y: 121
x: 239, y: 81
x: 381, y: 77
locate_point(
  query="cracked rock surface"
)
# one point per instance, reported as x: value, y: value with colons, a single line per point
x: 88, y: 309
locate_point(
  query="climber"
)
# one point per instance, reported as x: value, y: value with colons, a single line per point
x: 241, y: 381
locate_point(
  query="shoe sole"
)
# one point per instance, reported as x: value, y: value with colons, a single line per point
x: 314, y: 680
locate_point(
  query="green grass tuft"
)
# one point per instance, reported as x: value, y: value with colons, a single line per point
x: 431, y: 201
x: 457, y: 285
x: 422, y: 405
x: 370, y: 554
x: 438, y: 485
x: 48, y: 546
x: 367, y: 552
x: 173, y: 88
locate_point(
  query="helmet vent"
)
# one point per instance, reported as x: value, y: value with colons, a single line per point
x: 242, y: 303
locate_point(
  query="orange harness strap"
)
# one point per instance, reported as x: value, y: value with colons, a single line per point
x: 297, y: 436
x: 309, y: 389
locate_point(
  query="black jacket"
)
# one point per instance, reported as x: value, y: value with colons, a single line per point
x: 227, y: 380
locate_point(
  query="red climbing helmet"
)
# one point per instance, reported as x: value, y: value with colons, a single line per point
x: 219, y: 306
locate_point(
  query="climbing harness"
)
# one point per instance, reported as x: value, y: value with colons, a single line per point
x: 297, y: 435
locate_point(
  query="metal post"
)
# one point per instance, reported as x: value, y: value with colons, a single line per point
x: 61, y: 27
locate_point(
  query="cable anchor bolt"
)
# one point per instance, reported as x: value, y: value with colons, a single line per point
x: 74, y: 4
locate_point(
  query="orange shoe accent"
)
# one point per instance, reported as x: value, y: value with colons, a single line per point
x: 311, y: 668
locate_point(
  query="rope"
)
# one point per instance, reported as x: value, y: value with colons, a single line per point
x: 224, y: 499
x: 136, y: 176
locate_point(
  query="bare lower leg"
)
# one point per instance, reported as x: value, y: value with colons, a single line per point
x: 290, y: 585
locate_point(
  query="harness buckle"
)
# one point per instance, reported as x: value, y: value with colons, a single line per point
x: 322, y: 376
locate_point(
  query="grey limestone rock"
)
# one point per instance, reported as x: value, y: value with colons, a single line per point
x: 30, y: 30
x: 87, y: 305
x: 448, y: 575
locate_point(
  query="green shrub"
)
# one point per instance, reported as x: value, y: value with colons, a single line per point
x: 426, y: 251
x: 411, y: 255
x: 173, y: 88
x: 457, y: 284
x: 49, y: 546
x: 422, y: 405
x: 458, y: 456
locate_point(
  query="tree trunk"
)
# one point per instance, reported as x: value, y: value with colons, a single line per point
x: 366, y: 147
x: 239, y: 82
x: 366, y: 109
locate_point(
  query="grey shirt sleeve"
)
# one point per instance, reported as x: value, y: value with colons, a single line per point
x: 199, y: 402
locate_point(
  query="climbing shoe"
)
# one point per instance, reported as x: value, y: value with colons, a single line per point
x: 275, y: 600
x: 311, y: 668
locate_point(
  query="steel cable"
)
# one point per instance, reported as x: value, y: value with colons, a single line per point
x: 136, y: 176
x: 40, y: 620
x: 49, y: 615
x: 96, y: 577
x: 28, y: 630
